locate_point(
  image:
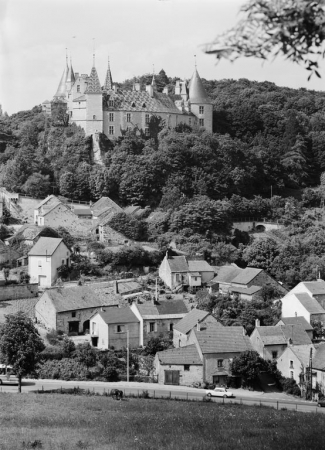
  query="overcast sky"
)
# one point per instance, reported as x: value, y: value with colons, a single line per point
x: 136, y: 34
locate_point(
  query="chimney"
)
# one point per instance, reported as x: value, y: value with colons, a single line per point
x: 178, y: 88
x: 153, y: 301
x: 137, y: 86
x: 165, y: 90
x: 149, y: 89
x: 198, y: 326
x: 115, y: 285
x: 244, y: 332
x: 257, y: 323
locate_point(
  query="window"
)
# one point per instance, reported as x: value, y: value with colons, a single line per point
x: 186, y: 367
x: 94, y: 117
x: 133, y: 105
x: 201, y: 122
x: 39, y: 263
x: 110, y: 130
x: 274, y: 355
x: 190, y: 121
x: 120, y: 328
x: 151, y: 326
x: 171, y: 327
x: 78, y: 87
x: 195, y: 278
x: 147, y: 118
x: 147, y: 132
x: 177, y: 277
x: 111, y: 117
x: 220, y: 362
x: 70, y: 113
x: 291, y: 374
x: 73, y: 314
x: 201, y: 109
x: 111, y: 103
x: 79, y: 103
x: 291, y: 364
x: 143, y: 105
x: 128, y: 117
x: 62, y: 262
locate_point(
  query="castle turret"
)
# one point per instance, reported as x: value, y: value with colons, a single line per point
x: 62, y: 89
x: 201, y: 105
x: 70, y: 77
x: 94, y: 108
x: 108, y: 80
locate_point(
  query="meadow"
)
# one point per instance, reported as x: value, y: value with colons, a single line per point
x: 66, y: 422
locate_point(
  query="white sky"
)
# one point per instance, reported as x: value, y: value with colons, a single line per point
x: 134, y: 33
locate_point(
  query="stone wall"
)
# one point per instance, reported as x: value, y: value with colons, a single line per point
x: 186, y: 377
x: 17, y: 291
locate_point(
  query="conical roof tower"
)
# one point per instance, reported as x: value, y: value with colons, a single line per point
x: 71, y: 76
x: 108, y: 80
x: 62, y: 89
x: 94, y: 86
x: 197, y: 93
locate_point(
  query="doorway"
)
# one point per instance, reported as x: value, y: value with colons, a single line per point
x: 172, y: 377
x: 74, y: 327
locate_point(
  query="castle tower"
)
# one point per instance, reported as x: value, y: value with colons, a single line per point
x: 70, y: 78
x: 94, y: 102
x: 62, y: 89
x: 201, y: 105
x: 108, y: 86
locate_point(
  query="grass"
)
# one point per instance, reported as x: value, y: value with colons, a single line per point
x: 66, y: 422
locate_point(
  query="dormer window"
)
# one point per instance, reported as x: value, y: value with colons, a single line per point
x: 110, y: 102
x: 133, y: 105
x: 78, y: 87
x: 94, y: 117
x: 143, y: 105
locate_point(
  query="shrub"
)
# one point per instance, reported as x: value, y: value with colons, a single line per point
x: 65, y: 369
x: 85, y: 354
x: 52, y: 337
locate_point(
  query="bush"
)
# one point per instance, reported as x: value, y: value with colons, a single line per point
x: 290, y: 386
x: 85, y: 354
x: 65, y: 369
x: 129, y: 226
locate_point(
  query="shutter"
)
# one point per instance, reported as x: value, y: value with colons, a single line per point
x: 156, y: 327
x: 148, y: 327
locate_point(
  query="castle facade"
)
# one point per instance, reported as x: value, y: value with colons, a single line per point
x: 110, y: 110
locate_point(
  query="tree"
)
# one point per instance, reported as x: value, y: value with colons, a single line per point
x: 37, y: 185
x: 248, y: 365
x: 293, y: 28
x: 20, y: 345
x: 158, y: 344
x: 261, y: 254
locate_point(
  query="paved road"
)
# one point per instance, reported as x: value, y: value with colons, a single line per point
x: 275, y: 400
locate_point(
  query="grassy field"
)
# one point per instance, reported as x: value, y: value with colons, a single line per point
x: 67, y: 422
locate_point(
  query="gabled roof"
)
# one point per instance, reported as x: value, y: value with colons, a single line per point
x: 319, y: 358
x: 46, y: 200
x: 309, y: 303
x: 299, y: 320
x: 45, y: 246
x: 199, y: 266
x: 197, y: 93
x: 108, y: 85
x: 168, y: 307
x: 217, y: 339
x: 127, y: 286
x: 177, y: 263
x: 226, y: 274
x: 77, y: 297
x: 182, y: 355
x: 82, y: 210
x: 93, y: 86
x: 103, y: 203
x: 30, y: 232
x: 246, y: 275
x: 280, y: 334
x: 190, y: 320
x: 118, y: 315
x: 243, y: 290
x: 303, y: 353
x: 315, y: 287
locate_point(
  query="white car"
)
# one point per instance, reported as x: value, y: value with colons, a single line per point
x: 7, y: 376
x: 219, y: 392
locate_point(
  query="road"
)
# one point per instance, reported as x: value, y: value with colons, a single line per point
x: 275, y: 400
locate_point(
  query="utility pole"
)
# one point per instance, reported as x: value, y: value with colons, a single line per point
x: 271, y: 192
x: 156, y: 290
x: 311, y: 373
x: 127, y: 356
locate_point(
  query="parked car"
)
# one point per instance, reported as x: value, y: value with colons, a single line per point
x: 219, y: 392
x: 321, y: 403
x: 7, y: 376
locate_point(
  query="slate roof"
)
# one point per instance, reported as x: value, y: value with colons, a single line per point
x: 77, y: 297
x: 279, y: 335
x: 246, y: 275
x: 299, y: 320
x: 30, y: 232
x: 303, y: 353
x: 182, y: 355
x: 199, y: 266
x: 243, y: 290
x: 103, y: 204
x: 82, y: 211
x: 178, y: 263
x: 118, y: 315
x: 127, y: 286
x: 93, y: 86
x: 315, y: 287
x: 190, y: 320
x: 197, y: 93
x: 217, y: 339
x: 45, y: 246
x: 46, y: 200
x: 226, y: 274
x: 319, y: 358
x: 168, y: 307
x: 309, y: 303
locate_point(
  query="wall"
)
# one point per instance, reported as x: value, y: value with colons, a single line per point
x: 292, y: 307
x: 135, y: 311
x: 249, y: 226
x: 187, y: 377
x: 108, y: 234
x: 162, y: 325
x: 164, y: 272
x: 265, y: 351
x: 119, y: 340
x: 45, y: 312
x: 207, y: 116
x: 206, y: 276
x: 211, y: 364
x: 64, y: 318
x: 94, y: 108
x: 263, y: 279
x: 98, y: 328
x: 283, y: 364
x: 16, y: 291
x: 179, y: 339
x: 62, y: 216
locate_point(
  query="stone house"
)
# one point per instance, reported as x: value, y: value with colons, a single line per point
x: 298, y: 320
x: 44, y: 206
x: 246, y: 283
x: 302, y: 304
x: 183, y: 328
x: 61, y: 215
x: 294, y: 361
x: 217, y: 347
x: 179, y: 366
x: 270, y: 342
x: 102, y: 232
x: 44, y: 259
x: 177, y: 271
x: 158, y: 317
x: 29, y: 234
x: 104, y: 205
x: 69, y: 309
x: 82, y: 211
x: 109, y: 329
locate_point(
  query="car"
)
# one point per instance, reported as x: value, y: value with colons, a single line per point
x: 7, y: 376
x: 219, y: 392
x: 321, y: 403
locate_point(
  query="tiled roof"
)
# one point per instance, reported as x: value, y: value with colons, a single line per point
x: 217, y: 339
x: 178, y: 263
x: 142, y: 101
x: 299, y: 320
x: 62, y: 86
x: 93, y: 86
x: 309, y: 303
x: 127, y: 286
x: 199, y: 266
x: 118, y: 315
x: 182, y: 355
x: 315, y: 287
x: 168, y: 307
x: 303, y: 353
x: 190, y: 320
x: 243, y: 290
x: 46, y: 200
x: 103, y: 204
x: 82, y: 211
x: 246, y: 275
x: 319, y: 358
x: 79, y: 297
x: 45, y: 246
x: 226, y: 274
x: 276, y: 335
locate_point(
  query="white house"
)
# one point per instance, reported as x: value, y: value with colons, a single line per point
x: 302, y: 304
x: 44, y: 206
x: 44, y: 259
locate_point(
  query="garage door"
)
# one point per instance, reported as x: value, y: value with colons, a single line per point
x: 172, y: 377
x: 42, y: 280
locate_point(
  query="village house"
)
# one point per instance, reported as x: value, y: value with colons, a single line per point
x: 103, y: 205
x: 82, y: 211
x: 44, y: 259
x: 179, y: 366
x: 294, y: 362
x: 127, y: 287
x: 246, y: 283
x: 298, y: 320
x: 69, y: 309
x: 315, y: 289
x: 318, y: 368
x: 158, y: 317
x: 183, y: 328
x: 115, y: 328
x: 178, y: 271
x: 29, y: 234
x: 302, y: 304
x: 60, y: 215
x: 270, y: 342
x: 44, y: 206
